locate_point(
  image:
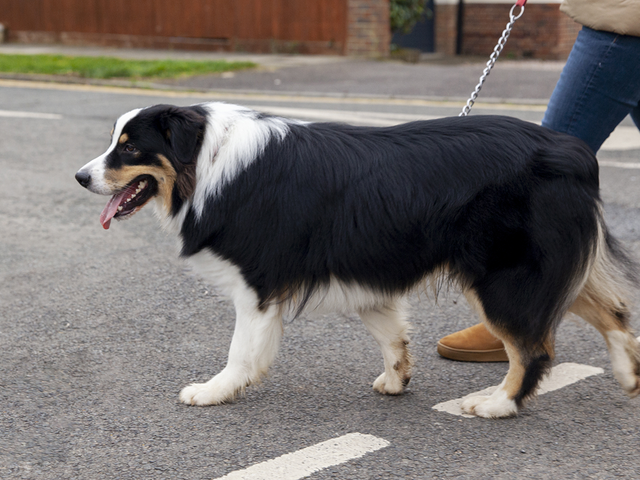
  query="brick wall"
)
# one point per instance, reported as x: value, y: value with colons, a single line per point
x: 445, y: 26
x: 368, y: 32
x: 543, y: 31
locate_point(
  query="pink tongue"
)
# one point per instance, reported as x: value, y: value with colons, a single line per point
x: 111, y: 209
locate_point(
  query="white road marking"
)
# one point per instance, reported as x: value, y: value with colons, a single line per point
x: 630, y: 165
x: 302, y: 463
x: 42, y: 116
x: 376, y: 119
x: 623, y: 138
x: 560, y: 376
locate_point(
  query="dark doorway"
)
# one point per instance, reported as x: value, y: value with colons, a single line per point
x: 421, y: 37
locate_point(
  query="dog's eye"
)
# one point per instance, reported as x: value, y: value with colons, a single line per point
x: 130, y: 148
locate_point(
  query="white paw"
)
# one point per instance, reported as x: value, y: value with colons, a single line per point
x: 388, y: 385
x: 636, y: 392
x: 200, y: 394
x: 628, y: 379
x: 497, y: 405
x: 220, y: 389
x: 624, y: 350
x: 633, y: 387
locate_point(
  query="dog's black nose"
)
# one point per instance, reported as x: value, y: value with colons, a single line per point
x: 83, y: 178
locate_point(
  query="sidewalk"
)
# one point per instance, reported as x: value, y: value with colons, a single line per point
x: 434, y: 78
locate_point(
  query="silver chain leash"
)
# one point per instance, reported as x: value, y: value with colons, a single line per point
x: 493, y: 58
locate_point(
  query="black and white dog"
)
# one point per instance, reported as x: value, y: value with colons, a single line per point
x: 282, y: 214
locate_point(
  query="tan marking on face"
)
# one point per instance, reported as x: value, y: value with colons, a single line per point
x: 123, y: 138
x: 165, y: 175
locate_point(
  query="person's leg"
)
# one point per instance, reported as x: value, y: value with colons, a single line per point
x: 599, y: 86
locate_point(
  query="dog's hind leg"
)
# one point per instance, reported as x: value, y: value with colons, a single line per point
x: 602, y: 303
x: 527, y: 366
x: 624, y: 349
x: 254, y: 346
x: 528, y: 363
x: 390, y: 329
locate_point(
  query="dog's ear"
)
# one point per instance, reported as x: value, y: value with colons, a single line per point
x: 183, y: 129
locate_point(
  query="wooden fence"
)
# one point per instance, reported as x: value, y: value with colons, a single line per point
x: 302, y: 26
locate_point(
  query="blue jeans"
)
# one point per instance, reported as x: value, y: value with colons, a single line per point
x: 599, y: 86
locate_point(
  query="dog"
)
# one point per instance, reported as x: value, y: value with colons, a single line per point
x: 287, y: 216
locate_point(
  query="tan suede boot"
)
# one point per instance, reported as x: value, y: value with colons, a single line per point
x: 473, y: 344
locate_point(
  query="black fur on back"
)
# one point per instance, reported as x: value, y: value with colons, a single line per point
x: 508, y: 208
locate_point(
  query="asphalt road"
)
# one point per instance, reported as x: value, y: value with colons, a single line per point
x: 99, y: 331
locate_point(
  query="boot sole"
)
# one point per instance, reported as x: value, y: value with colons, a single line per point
x: 498, y: 355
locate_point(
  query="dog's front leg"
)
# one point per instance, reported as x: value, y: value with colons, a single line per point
x: 390, y: 329
x: 253, y: 348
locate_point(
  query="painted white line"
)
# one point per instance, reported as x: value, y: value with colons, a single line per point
x: 302, y: 463
x: 560, y: 376
x: 630, y: 165
x: 42, y: 116
x: 376, y: 119
x: 623, y: 138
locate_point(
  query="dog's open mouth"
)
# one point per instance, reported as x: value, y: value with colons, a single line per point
x: 129, y: 200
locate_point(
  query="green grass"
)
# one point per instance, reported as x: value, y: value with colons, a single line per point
x: 107, y: 67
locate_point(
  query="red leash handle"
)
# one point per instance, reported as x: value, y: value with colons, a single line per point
x: 521, y: 3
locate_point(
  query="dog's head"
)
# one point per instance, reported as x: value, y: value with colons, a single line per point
x: 153, y: 154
